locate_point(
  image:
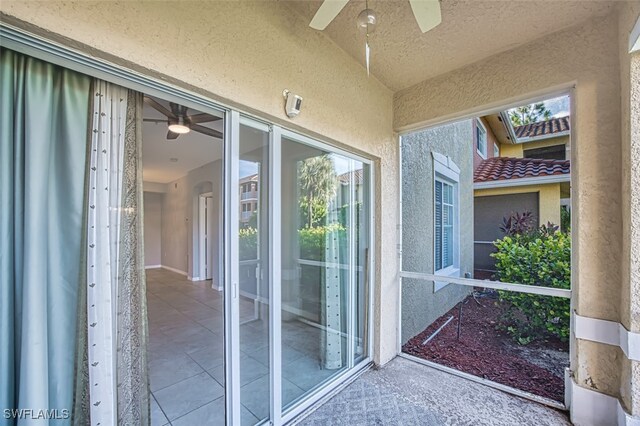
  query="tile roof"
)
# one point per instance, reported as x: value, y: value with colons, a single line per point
x: 357, y: 177
x: 503, y: 168
x: 542, y: 128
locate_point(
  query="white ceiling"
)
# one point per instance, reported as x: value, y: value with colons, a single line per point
x: 192, y: 150
x: 471, y: 30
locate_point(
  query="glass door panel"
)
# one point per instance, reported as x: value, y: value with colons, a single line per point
x: 253, y: 271
x: 324, y: 251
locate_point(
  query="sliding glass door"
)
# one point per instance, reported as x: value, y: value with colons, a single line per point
x: 324, y: 250
x: 298, y: 270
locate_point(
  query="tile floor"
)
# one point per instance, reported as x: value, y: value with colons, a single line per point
x: 186, y: 354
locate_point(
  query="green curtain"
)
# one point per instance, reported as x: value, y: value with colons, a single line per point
x: 43, y: 142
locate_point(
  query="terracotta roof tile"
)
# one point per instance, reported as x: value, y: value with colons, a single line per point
x: 503, y: 168
x: 541, y: 128
x: 345, y: 177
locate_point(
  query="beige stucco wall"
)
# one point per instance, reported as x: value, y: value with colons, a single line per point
x: 244, y: 54
x: 587, y: 56
x: 548, y: 199
x: 511, y: 150
x: 629, y: 13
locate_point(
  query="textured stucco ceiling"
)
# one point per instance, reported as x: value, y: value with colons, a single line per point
x: 470, y: 31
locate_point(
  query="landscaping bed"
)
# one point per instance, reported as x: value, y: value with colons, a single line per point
x: 485, y: 351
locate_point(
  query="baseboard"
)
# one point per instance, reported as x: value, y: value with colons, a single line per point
x: 591, y: 408
x: 153, y: 266
x: 177, y: 271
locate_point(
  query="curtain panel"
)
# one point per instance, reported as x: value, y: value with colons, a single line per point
x: 73, y: 319
x: 116, y: 300
x: 43, y: 149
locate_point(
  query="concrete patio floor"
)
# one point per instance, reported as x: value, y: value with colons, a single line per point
x: 404, y: 392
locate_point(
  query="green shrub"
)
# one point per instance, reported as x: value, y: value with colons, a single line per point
x: 313, y: 241
x: 565, y: 219
x: 248, y: 243
x: 541, y: 257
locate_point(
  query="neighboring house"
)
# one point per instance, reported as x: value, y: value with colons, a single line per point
x: 248, y: 197
x: 437, y: 181
x: 520, y: 169
x: 345, y: 180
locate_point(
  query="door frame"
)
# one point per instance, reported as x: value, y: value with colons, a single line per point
x: 204, y: 232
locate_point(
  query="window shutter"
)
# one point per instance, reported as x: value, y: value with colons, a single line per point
x: 438, y: 227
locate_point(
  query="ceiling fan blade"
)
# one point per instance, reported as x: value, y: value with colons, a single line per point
x: 155, y: 120
x: 328, y: 10
x: 159, y: 107
x: 427, y: 13
x: 206, y: 131
x: 202, y: 118
x: 171, y: 135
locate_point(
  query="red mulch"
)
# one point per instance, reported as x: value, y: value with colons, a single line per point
x: 486, y: 352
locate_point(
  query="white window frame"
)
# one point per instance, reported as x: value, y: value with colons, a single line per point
x: 445, y: 170
x: 480, y: 126
x: 496, y: 150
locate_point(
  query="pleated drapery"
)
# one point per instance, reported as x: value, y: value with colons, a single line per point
x: 43, y: 149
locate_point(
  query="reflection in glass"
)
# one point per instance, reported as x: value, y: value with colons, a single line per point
x: 324, y: 253
x: 253, y: 272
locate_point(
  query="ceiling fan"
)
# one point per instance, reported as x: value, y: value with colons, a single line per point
x: 426, y: 12
x: 178, y: 120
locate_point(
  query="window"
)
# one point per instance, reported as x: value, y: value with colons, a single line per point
x: 555, y: 152
x: 445, y: 208
x: 446, y: 222
x: 481, y: 139
x: 496, y: 150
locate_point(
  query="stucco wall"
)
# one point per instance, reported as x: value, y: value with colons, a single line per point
x: 245, y: 54
x: 420, y: 304
x: 511, y: 150
x: 152, y: 228
x: 629, y: 13
x: 586, y: 56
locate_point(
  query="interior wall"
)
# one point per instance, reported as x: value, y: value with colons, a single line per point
x: 180, y: 250
x: 152, y: 229
x: 244, y: 54
x: 587, y: 56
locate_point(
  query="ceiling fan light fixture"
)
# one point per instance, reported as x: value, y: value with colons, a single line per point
x: 367, y: 21
x: 179, y: 127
